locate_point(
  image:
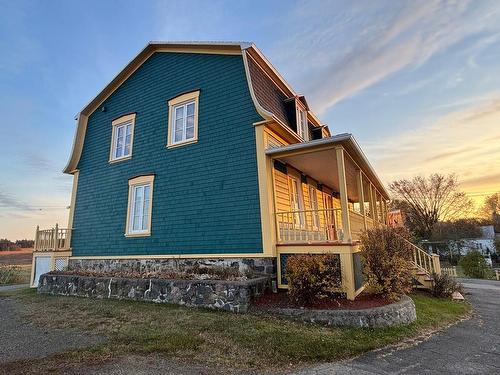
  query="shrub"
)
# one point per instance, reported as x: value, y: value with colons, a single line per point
x: 387, y: 261
x: 474, y: 265
x: 311, y: 277
x: 444, y: 285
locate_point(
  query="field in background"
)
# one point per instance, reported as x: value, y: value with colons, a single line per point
x: 15, y: 266
x: 16, y: 257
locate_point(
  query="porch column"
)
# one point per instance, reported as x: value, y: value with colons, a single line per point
x: 381, y: 205
x: 373, y: 204
x: 361, y: 196
x: 346, y: 225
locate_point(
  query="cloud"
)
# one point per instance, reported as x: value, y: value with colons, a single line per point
x: 491, y: 180
x: 9, y: 202
x: 347, y: 51
x: 37, y: 161
x: 465, y: 142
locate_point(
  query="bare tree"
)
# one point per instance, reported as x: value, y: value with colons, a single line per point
x: 427, y: 200
x: 491, y: 206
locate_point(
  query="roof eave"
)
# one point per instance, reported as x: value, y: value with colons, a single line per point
x: 336, y: 140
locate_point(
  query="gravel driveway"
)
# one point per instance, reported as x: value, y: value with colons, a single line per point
x: 22, y: 340
x: 469, y: 347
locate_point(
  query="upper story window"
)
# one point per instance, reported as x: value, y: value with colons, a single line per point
x: 122, y: 138
x: 140, y: 203
x: 302, y: 127
x: 183, y: 119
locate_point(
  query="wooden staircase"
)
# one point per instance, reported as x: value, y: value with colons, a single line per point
x: 424, y: 265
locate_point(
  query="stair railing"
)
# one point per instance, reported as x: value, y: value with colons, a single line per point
x: 423, y: 261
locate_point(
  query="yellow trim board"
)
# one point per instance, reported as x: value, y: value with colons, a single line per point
x: 266, y: 193
x: 177, y: 256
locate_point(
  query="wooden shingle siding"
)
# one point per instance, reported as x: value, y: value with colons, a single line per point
x: 268, y: 94
x: 281, y: 191
x: 205, y: 197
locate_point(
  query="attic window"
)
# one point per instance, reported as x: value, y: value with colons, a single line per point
x: 302, y: 127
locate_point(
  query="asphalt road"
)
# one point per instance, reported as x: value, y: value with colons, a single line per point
x: 469, y: 347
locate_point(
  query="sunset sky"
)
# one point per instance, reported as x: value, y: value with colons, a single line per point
x: 416, y: 82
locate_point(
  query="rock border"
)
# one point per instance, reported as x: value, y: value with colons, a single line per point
x: 402, y: 312
x: 234, y: 296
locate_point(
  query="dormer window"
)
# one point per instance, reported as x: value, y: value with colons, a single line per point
x: 302, y: 127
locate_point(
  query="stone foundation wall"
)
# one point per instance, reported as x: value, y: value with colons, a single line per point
x: 399, y: 313
x: 234, y: 296
x: 264, y: 266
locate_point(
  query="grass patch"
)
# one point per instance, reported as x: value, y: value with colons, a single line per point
x: 14, y: 275
x: 212, y: 337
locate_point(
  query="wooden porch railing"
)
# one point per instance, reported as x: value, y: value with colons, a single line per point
x: 309, y: 226
x: 357, y: 222
x: 55, y: 239
x: 423, y: 261
x: 450, y: 271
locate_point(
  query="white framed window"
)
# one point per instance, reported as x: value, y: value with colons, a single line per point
x: 122, y: 138
x: 140, y: 203
x: 183, y: 119
x: 302, y: 126
x: 296, y: 201
x: 313, y: 198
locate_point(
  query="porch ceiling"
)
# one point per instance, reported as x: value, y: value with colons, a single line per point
x: 318, y: 160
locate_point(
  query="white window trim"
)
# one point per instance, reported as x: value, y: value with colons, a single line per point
x: 315, y: 210
x: 172, y: 104
x: 115, y: 124
x: 132, y: 183
x: 300, y: 215
x: 300, y: 130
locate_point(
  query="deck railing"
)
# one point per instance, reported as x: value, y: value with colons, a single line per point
x: 357, y: 222
x: 423, y: 261
x: 309, y: 226
x: 55, y: 239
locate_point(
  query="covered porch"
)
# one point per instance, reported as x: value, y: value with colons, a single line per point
x: 325, y: 191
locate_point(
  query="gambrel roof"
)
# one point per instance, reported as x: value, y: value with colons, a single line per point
x: 268, y: 88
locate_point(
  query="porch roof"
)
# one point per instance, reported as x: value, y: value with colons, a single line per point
x: 316, y: 159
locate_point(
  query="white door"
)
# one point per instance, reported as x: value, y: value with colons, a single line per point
x: 42, y: 265
x: 330, y: 217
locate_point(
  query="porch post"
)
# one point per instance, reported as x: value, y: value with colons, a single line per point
x: 361, y: 196
x: 373, y: 206
x: 348, y: 283
x: 381, y: 208
x: 385, y: 211
x: 346, y: 225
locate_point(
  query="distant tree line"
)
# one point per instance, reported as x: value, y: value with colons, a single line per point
x: 6, y: 244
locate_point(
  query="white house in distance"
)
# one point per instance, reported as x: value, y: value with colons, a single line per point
x: 484, y: 244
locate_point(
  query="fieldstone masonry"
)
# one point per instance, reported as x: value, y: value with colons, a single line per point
x: 265, y: 266
x: 234, y: 296
x: 399, y: 313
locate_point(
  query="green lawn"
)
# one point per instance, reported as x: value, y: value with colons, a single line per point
x: 212, y: 337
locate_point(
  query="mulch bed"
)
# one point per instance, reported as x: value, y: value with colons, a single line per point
x: 282, y: 300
